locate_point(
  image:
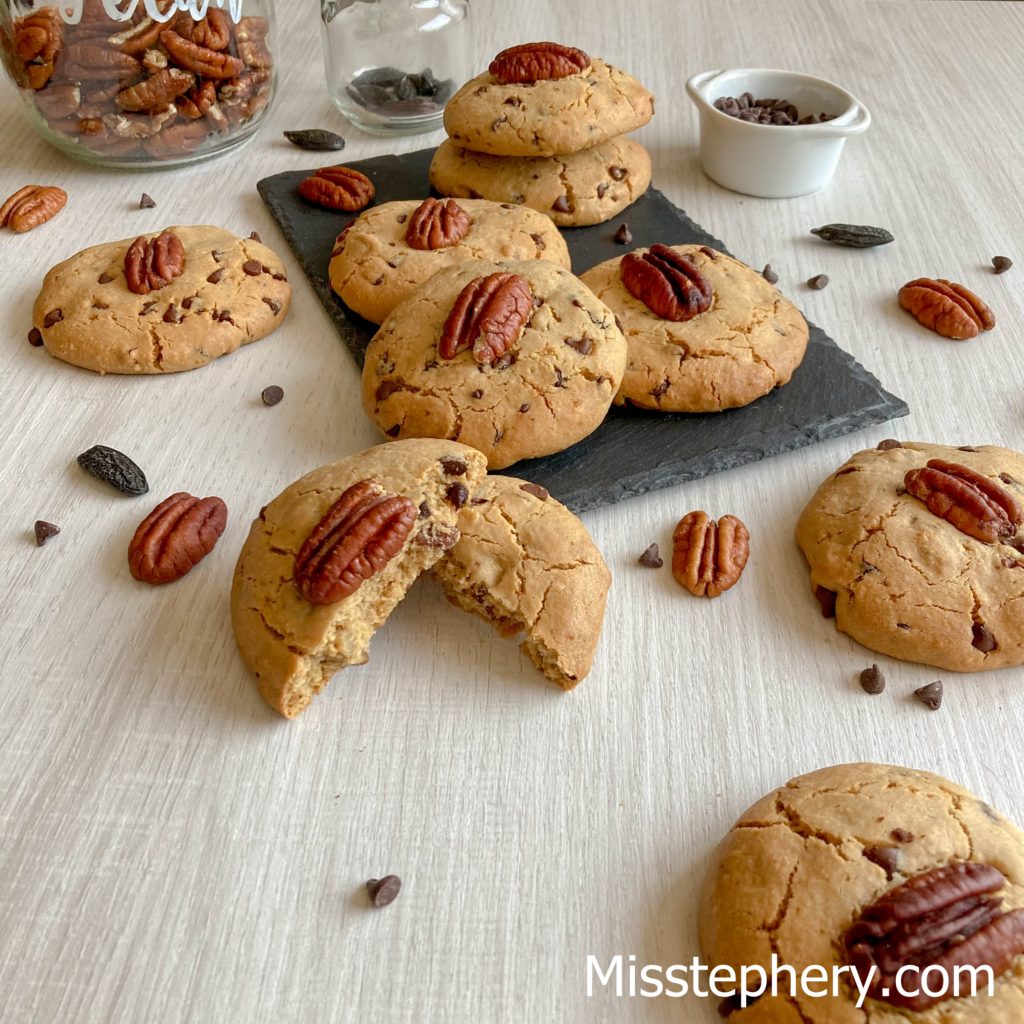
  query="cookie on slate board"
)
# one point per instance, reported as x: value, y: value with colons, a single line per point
x: 807, y: 866
x: 748, y: 341
x: 526, y: 564
x: 547, y: 117
x: 923, y: 562
x: 230, y: 291
x: 550, y: 389
x: 588, y: 187
x: 375, y: 264
x: 384, y: 515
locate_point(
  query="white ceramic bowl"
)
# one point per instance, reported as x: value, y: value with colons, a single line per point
x: 774, y: 161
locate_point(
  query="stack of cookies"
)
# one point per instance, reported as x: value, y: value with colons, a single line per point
x: 545, y: 127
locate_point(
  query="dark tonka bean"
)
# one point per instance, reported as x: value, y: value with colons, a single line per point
x: 315, y: 139
x: 114, y: 468
x: 855, y: 236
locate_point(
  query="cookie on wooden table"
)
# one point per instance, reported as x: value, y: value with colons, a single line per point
x: 161, y: 303
x: 705, y: 332
x: 329, y: 558
x: 870, y: 866
x: 517, y: 360
x: 526, y: 564
x: 541, y: 102
x: 588, y: 187
x: 917, y: 551
x: 386, y: 253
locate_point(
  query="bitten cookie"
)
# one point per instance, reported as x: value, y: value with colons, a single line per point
x: 550, y: 116
x: 917, y: 551
x: 870, y: 865
x: 330, y: 557
x: 523, y: 364
x: 230, y: 291
x: 384, y: 255
x: 588, y: 187
x: 525, y: 563
x: 749, y: 340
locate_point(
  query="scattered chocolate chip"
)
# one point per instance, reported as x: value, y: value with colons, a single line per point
x: 35, y: 337
x: 53, y: 317
x: 476, y: 394
x: 457, y: 495
x: 525, y: 407
x: 769, y: 275
x: 1001, y: 264
x: 536, y: 490
x: 818, y: 282
x: 623, y: 236
x: 114, y: 468
x: 886, y: 857
x: 316, y: 139
x: 216, y: 275
x: 253, y: 268
x: 105, y: 278
x: 930, y: 695
x: 147, y: 202
x: 453, y: 467
x: 827, y: 600
x: 618, y: 173
x: 888, y: 444
x: 901, y: 835
x: 255, y: 236
x: 651, y: 558
x: 561, y: 204
x: 272, y: 395
x: 384, y: 890
x: 581, y: 345
x: 44, y: 531
x: 872, y: 680
x: 984, y: 640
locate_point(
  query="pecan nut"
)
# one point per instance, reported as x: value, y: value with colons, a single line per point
x: 138, y: 38
x: 59, y: 100
x: 200, y: 59
x: 708, y: 557
x: 156, y: 91
x: 535, y: 62
x: 212, y: 31
x: 150, y: 265
x: 175, y: 537
x: 945, y: 917
x: 196, y: 103
x: 437, y: 224
x: 38, y: 36
x: 251, y: 42
x: 946, y: 307
x: 338, y: 188
x: 489, y: 316
x: 31, y: 206
x: 667, y: 283
x: 361, y: 532
x: 93, y: 60
x: 179, y: 138
x: 967, y: 499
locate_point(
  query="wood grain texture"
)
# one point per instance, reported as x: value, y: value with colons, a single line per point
x: 170, y: 851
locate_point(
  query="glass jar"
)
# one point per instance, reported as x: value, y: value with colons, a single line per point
x: 393, y: 64
x: 136, y: 83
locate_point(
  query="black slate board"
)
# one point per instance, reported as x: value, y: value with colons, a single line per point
x: 633, y: 451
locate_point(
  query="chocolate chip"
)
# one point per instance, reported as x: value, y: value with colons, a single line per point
x: 886, y: 857
x: 581, y: 345
x: 253, y: 268
x: 966, y: 448
x: 402, y: 218
x: 901, y: 835
x: 275, y: 307
x: 172, y: 315
x: 383, y: 891
x: 710, y: 253
x: 1001, y: 264
x: 424, y: 510
x: 504, y: 362
x: 147, y: 202
x: 623, y: 236
x: 272, y: 395
x: 769, y: 275
x: 888, y: 444
x: 216, y: 275
x: 538, y: 240
x: 476, y: 394
x: 105, y: 278
x: 651, y: 558
x: 561, y: 204
x: 394, y: 431
x: 457, y: 495
x: 255, y: 236
x: 224, y: 316
x: 35, y: 337
x: 872, y: 680
x: 453, y: 467
x: 561, y: 381
x: 1007, y: 479
x: 827, y: 600
x: 53, y: 317
x: 44, y: 531
x: 148, y: 307
x: 536, y: 490
x: 601, y: 189
x: 618, y: 173
x: 984, y: 640
x: 660, y: 389
x: 930, y: 695
x: 525, y: 407
x: 818, y: 282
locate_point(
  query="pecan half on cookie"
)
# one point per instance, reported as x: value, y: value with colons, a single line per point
x: 437, y: 224
x: 488, y: 316
x: 667, y: 283
x: 151, y: 264
x: 535, y: 62
x: 947, y: 308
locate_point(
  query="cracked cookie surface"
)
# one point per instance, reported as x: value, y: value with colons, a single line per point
x: 552, y: 389
x: 295, y: 647
x: 750, y: 341
x: 549, y: 117
x: 525, y: 563
x: 908, y: 583
x: 103, y: 326
x: 376, y: 268
x: 800, y: 865
x: 588, y: 187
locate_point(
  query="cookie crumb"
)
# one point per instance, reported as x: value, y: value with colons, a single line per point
x: 44, y: 531
x: 769, y: 275
x: 930, y: 695
x: 872, y: 680
x: 147, y: 202
x: 272, y: 395
x: 651, y: 558
x: 383, y: 891
x: 1001, y: 264
x: 623, y: 236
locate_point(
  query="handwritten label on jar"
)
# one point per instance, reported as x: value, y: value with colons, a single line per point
x: 158, y: 10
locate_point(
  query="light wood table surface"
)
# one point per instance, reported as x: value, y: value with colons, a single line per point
x: 172, y: 851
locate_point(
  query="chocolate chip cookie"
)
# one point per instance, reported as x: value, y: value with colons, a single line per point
x: 517, y: 360
x: 229, y: 291
x: 526, y: 564
x: 381, y: 258
x: 868, y: 865
x: 588, y: 187
x: 916, y: 550
x: 742, y: 340
x: 327, y: 560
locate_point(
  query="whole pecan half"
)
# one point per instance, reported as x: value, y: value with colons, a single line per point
x: 946, y: 307
x: 138, y: 38
x: 437, y: 224
x: 59, y: 101
x: 708, y: 557
x: 361, y: 532
x: 200, y: 59
x: 156, y: 91
x: 338, y: 188
x: 212, y: 32
x: 967, y: 499
x: 535, y: 62
x: 946, y: 917
x: 488, y: 316
x: 175, y: 537
x: 31, y: 206
x: 667, y: 283
x: 251, y: 42
x: 196, y: 103
x: 93, y: 60
x: 38, y: 36
x: 150, y: 265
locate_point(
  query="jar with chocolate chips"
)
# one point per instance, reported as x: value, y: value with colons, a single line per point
x: 131, y: 83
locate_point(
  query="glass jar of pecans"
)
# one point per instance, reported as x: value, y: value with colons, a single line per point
x: 133, y: 83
